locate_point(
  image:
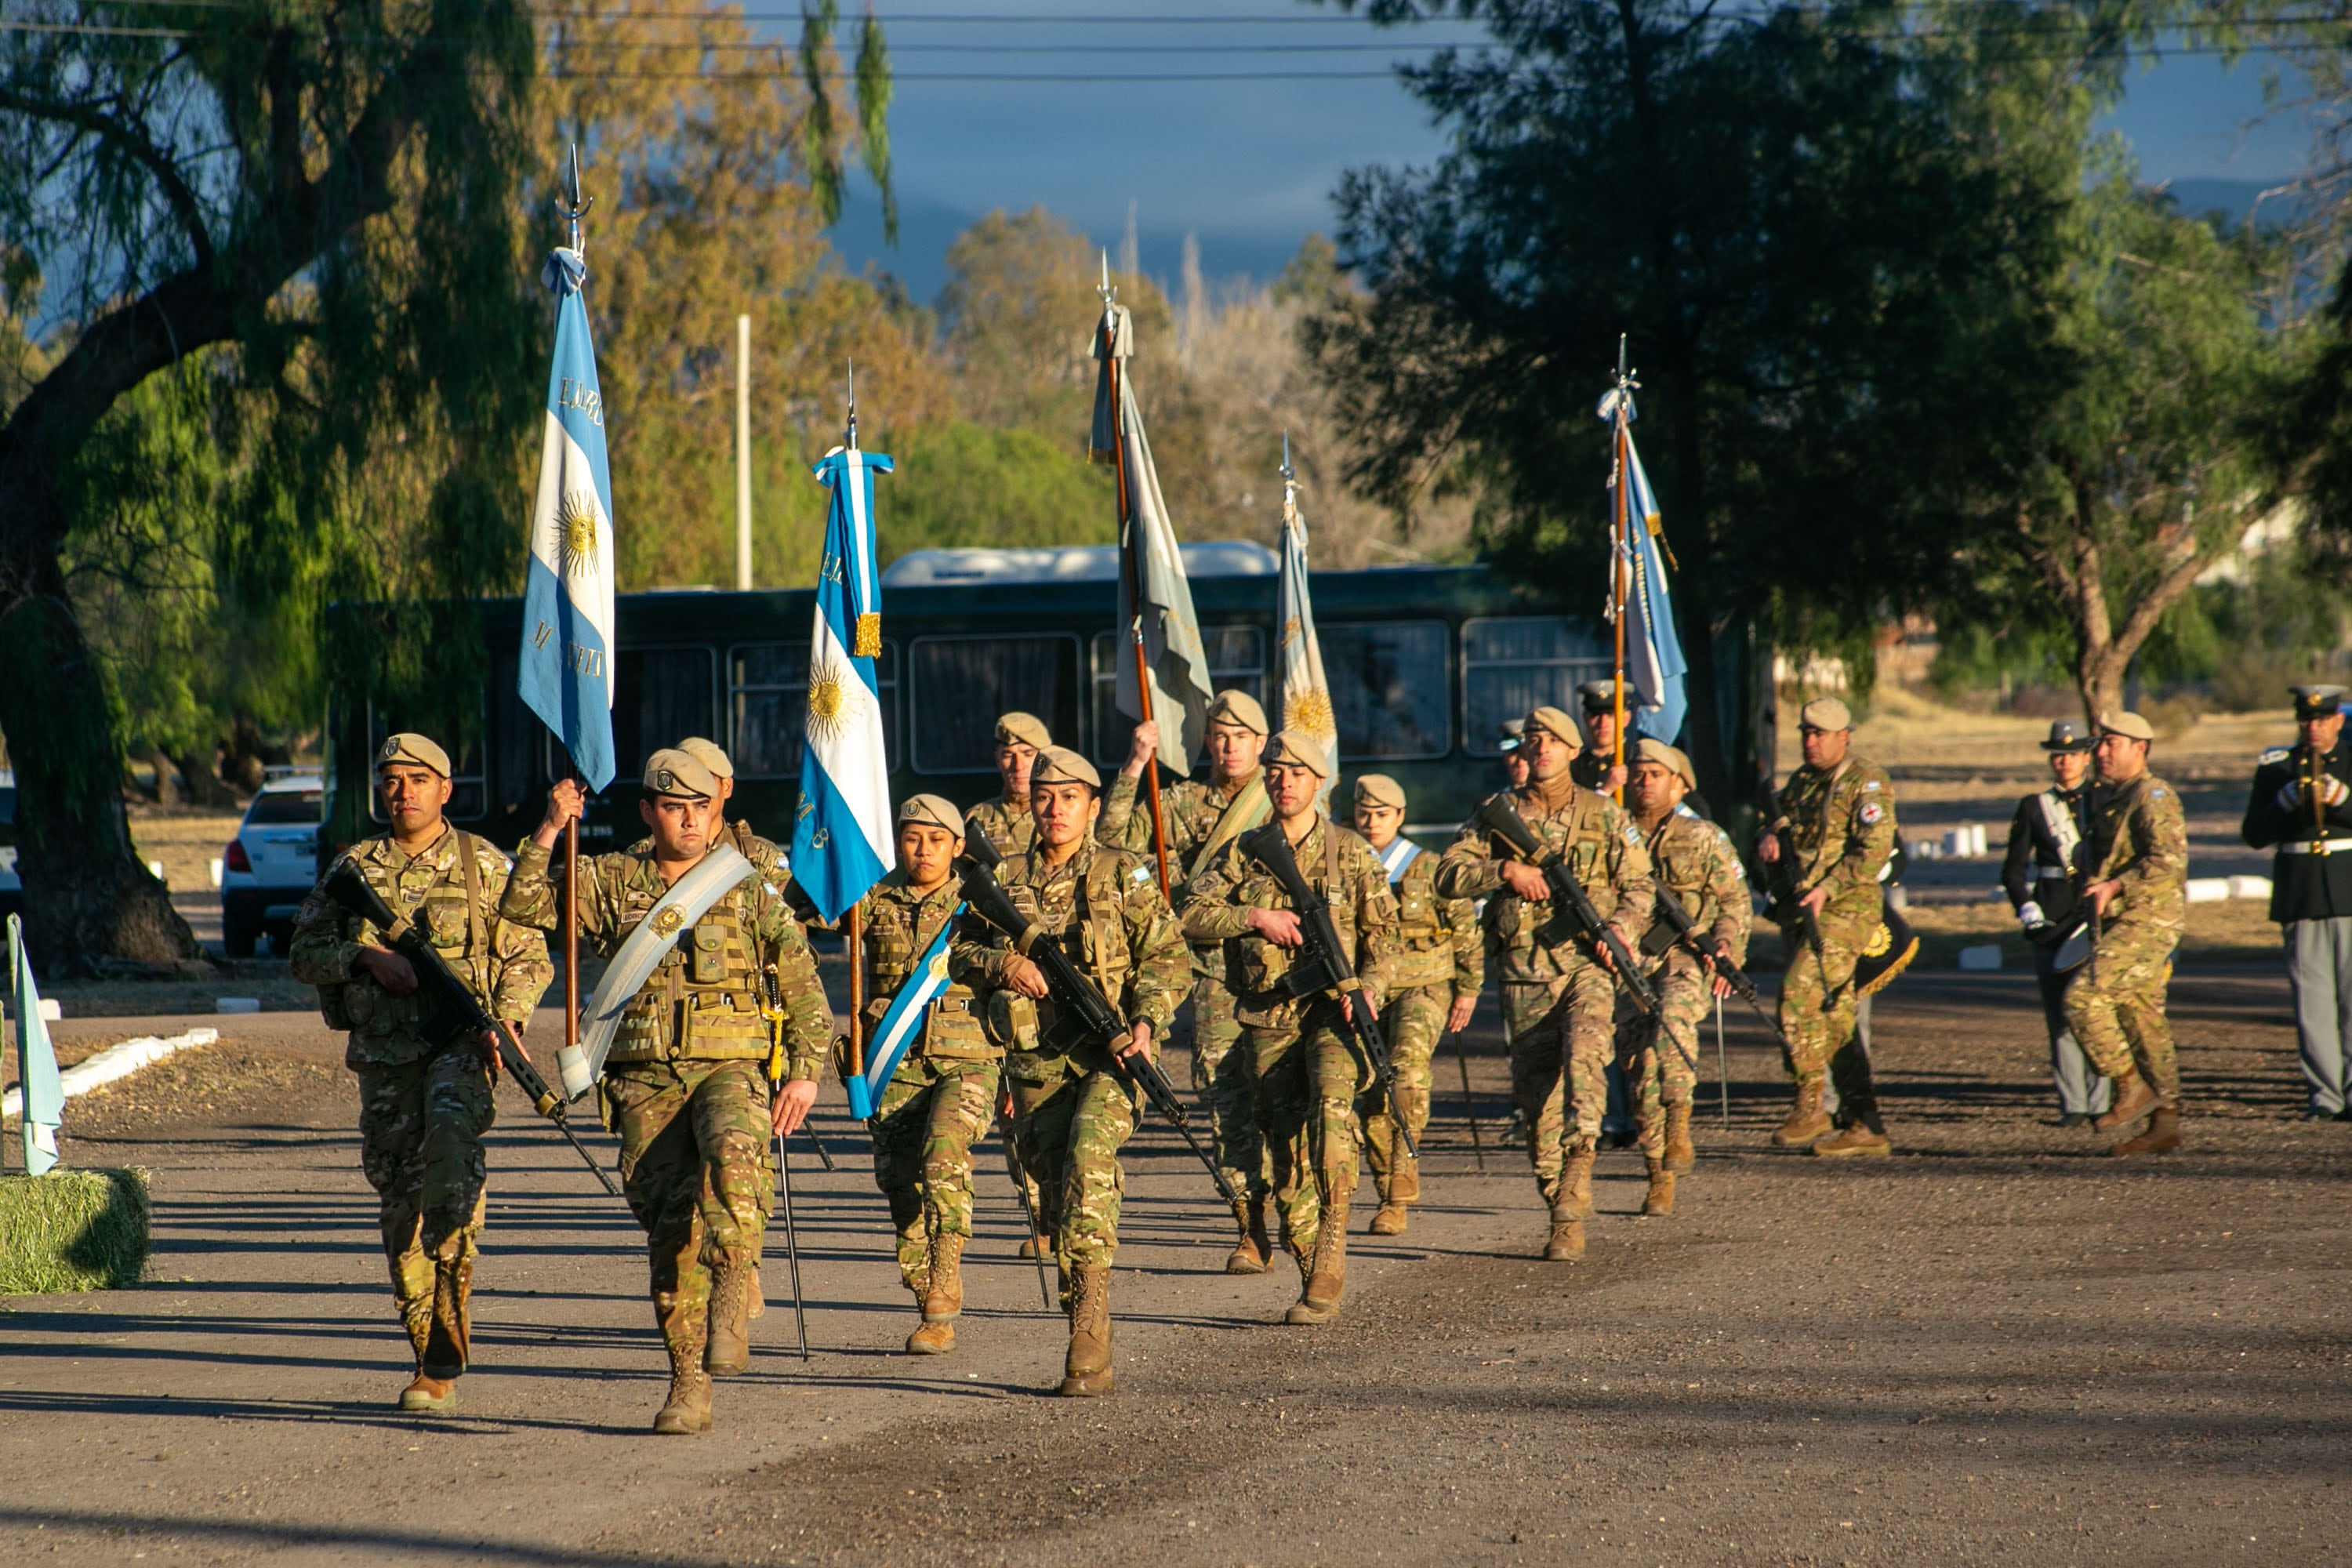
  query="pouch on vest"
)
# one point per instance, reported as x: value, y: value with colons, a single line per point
x: 1012, y: 1021
x: 706, y: 961
x: 334, y: 1005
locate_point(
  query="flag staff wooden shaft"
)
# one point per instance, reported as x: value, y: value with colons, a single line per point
x: 851, y: 946
x: 573, y: 211
x: 1617, y: 580
x: 1134, y: 575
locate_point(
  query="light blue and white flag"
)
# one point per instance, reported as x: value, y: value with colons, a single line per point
x: 1398, y: 858
x: 37, y: 1063
x: 566, y: 671
x: 1654, y: 666
x: 1305, y: 695
x: 902, y: 1022
x: 842, y: 833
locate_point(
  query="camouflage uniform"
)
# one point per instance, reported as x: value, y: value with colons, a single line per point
x: 425, y: 1095
x: 1072, y: 1109
x: 1837, y: 830
x: 2115, y: 1002
x: 1440, y: 959
x: 1190, y: 812
x: 685, y: 1085
x: 1558, y: 1001
x: 1308, y: 1068
x: 1691, y: 859
x: 942, y: 1094
x: 1005, y: 823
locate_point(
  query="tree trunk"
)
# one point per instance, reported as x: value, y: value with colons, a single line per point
x: 204, y: 787
x: 87, y: 895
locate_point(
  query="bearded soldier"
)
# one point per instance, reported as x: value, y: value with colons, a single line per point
x: 1695, y: 863
x: 1004, y: 822
x: 687, y: 928
x: 941, y: 1094
x: 1434, y: 980
x: 1559, y: 988
x: 2301, y: 807
x: 1308, y: 1066
x: 1200, y: 819
x: 425, y: 1092
x: 1831, y: 834
x: 2138, y: 895
x: 1073, y: 1108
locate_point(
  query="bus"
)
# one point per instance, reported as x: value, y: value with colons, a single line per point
x: 1425, y: 663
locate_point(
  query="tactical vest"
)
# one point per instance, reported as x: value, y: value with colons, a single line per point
x: 454, y: 916
x: 1529, y: 936
x: 703, y: 999
x: 1089, y: 930
x: 1424, y: 940
x: 1255, y: 966
x: 894, y: 940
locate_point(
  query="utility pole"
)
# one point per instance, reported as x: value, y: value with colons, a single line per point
x: 743, y: 454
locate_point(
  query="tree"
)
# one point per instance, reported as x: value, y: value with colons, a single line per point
x: 1826, y: 238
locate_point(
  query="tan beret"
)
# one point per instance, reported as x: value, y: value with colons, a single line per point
x: 672, y: 772
x: 2127, y: 723
x: 1298, y: 749
x: 1555, y: 723
x: 708, y: 754
x: 931, y: 810
x: 1379, y: 789
x: 1019, y: 729
x: 1238, y: 708
x: 411, y: 747
x: 1825, y: 713
x: 1061, y: 765
x: 1648, y: 751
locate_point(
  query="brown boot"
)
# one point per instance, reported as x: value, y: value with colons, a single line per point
x: 932, y: 1338
x: 1567, y: 1243
x: 1576, y: 1186
x: 1086, y: 1370
x: 1250, y: 1253
x: 2163, y: 1136
x: 1660, y: 1201
x: 1390, y: 1221
x: 1680, y: 1156
x: 1806, y: 1120
x: 1036, y: 1245
x: 1404, y: 1176
x: 942, y: 1299
x: 1859, y: 1141
x: 727, y: 1350
x: 688, y: 1409
x: 429, y: 1395
x: 758, y: 1298
x: 2133, y: 1099
x: 1327, y: 1280
x: 449, y: 1331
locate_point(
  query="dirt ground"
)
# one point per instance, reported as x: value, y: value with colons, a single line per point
x: 1996, y: 1347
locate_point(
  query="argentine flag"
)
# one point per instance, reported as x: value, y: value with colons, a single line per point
x: 566, y: 673
x: 842, y: 834
x: 902, y: 1022
x: 1655, y: 665
x: 36, y: 1064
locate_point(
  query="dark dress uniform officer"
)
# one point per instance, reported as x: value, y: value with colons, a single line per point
x: 2301, y: 806
x: 2042, y: 873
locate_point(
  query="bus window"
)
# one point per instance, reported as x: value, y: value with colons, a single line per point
x: 660, y: 696
x: 520, y: 745
x: 961, y: 684
x: 768, y: 693
x: 1390, y: 688
x: 1512, y: 666
x: 1236, y: 658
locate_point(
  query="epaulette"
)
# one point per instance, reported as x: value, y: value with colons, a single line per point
x: 2275, y: 755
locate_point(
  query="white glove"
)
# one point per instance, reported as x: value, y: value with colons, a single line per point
x: 2332, y: 790
x: 2290, y: 795
x: 2029, y: 915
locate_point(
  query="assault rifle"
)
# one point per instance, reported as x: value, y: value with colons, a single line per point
x: 1070, y: 987
x: 1322, y: 963
x: 1499, y: 817
x: 452, y: 999
x: 1677, y: 920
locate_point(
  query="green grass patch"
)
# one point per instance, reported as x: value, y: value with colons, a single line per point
x: 72, y: 1230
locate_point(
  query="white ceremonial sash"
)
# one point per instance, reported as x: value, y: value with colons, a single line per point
x: 687, y: 900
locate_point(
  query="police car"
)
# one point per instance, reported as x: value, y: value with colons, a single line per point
x: 271, y: 865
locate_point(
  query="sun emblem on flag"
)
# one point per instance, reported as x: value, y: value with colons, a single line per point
x: 1310, y: 710
x: 831, y: 698
x: 575, y: 533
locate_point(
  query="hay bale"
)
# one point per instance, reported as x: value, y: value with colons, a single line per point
x: 72, y: 1230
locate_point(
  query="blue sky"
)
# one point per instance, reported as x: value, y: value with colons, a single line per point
x: 1249, y: 165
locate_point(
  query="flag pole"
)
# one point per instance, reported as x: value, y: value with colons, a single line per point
x: 1618, y: 541
x: 853, y: 947
x: 1129, y: 568
x: 573, y: 211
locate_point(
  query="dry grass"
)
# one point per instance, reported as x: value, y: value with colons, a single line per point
x: 187, y: 842
x: 72, y: 1230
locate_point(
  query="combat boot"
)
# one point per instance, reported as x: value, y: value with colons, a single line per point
x: 2133, y: 1099
x: 943, y: 1301
x: 2163, y: 1136
x: 1860, y: 1140
x: 728, y: 1348
x: 1807, y: 1120
x: 1326, y: 1278
x: 1576, y: 1184
x: 688, y: 1409
x: 758, y: 1296
x: 1252, y: 1252
x: 1567, y: 1243
x: 1390, y: 1221
x: 1680, y: 1156
x: 429, y: 1395
x: 1086, y: 1370
x: 1659, y: 1203
x: 450, y: 1329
